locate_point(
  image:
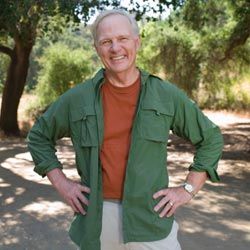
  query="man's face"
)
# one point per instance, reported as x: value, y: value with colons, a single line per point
x: 117, y: 44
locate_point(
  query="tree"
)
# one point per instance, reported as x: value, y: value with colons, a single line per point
x: 191, y: 48
x: 21, y: 20
x: 198, y: 14
x: 241, y: 31
x: 224, y: 30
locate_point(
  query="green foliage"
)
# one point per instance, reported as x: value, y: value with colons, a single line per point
x: 73, y: 36
x: 191, y: 52
x: 4, y: 61
x: 62, y: 68
x: 173, y: 52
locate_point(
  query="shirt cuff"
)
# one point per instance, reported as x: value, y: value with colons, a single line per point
x: 212, y: 173
x: 47, y: 166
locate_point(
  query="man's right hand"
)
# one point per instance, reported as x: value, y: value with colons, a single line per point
x: 71, y: 191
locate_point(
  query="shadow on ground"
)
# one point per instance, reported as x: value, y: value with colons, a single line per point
x: 33, y: 217
x: 219, y: 217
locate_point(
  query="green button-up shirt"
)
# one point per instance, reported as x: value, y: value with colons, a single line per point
x: 161, y: 107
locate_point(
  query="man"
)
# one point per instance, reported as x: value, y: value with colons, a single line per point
x: 119, y: 123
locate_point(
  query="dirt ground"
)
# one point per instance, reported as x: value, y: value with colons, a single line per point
x: 34, y: 217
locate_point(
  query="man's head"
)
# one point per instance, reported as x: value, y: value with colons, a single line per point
x: 116, y: 39
x: 107, y: 13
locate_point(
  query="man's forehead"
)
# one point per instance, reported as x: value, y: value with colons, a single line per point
x: 116, y: 24
x: 115, y: 16
x: 113, y: 20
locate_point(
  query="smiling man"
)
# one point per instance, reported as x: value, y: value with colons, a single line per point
x: 117, y: 43
x: 119, y: 123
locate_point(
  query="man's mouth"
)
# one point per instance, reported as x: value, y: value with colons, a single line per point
x: 116, y: 58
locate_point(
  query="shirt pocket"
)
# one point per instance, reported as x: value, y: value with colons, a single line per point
x: 155, y: 120
x: 85, y: 126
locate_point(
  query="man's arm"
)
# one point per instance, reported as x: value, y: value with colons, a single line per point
x: 190, y: 123
x: 51, y: 126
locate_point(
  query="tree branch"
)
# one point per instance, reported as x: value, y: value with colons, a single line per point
x: 6, y: 50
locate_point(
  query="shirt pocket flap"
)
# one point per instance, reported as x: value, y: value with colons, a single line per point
x: 81, y: 113
x: 165, y: 108
x: 155, y: 120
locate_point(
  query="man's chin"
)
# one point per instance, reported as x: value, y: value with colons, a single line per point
x: 118, y: 69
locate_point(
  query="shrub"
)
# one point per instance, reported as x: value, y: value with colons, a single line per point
x: 61, y: 69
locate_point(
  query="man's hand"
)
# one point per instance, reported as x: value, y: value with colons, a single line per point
x: 172, y: 198
x: 71, y: 191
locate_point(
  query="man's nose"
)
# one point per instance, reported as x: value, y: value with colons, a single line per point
x: 115, y: 46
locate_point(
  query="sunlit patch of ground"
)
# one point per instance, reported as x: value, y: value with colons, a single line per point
x: 226, y: 118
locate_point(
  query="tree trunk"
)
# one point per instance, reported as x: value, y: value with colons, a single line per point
x: 13, y: 88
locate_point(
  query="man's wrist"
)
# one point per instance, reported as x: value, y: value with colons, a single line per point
x: 56, y: 177
x: 189, y: 188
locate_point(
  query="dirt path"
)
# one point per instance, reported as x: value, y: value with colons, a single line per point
x: 33, y: 217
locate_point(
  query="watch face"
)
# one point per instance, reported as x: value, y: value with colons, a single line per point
x: 189, y: 187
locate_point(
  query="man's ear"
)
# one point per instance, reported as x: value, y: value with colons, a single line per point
x: 96, y: 48
x: 94, y: 45
x: 138, y: 43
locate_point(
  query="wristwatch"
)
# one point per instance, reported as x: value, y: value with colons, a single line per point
x: 189, y: 188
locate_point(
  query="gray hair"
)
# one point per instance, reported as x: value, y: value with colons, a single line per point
x: 106, y: 13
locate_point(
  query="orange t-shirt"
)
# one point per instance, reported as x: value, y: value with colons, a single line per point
x: 119, y: 107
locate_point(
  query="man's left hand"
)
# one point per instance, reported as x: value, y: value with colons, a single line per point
x: 172, y: 198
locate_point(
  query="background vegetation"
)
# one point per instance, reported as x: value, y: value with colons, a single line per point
x: 189, y: 49
x: 202, y: 46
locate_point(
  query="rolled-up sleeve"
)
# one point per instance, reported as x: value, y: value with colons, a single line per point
x: 51, y: 126
x: 190, y: 123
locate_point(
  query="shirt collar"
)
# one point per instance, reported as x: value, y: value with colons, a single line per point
x: 98, y: 79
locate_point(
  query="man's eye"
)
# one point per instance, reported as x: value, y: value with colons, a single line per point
x: 123, y: 39
x: 106, y: 42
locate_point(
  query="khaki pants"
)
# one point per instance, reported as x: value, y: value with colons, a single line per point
x: 111, y: 236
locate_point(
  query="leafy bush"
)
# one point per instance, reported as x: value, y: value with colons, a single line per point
x: 61, y: 69
x: 172, y: 52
